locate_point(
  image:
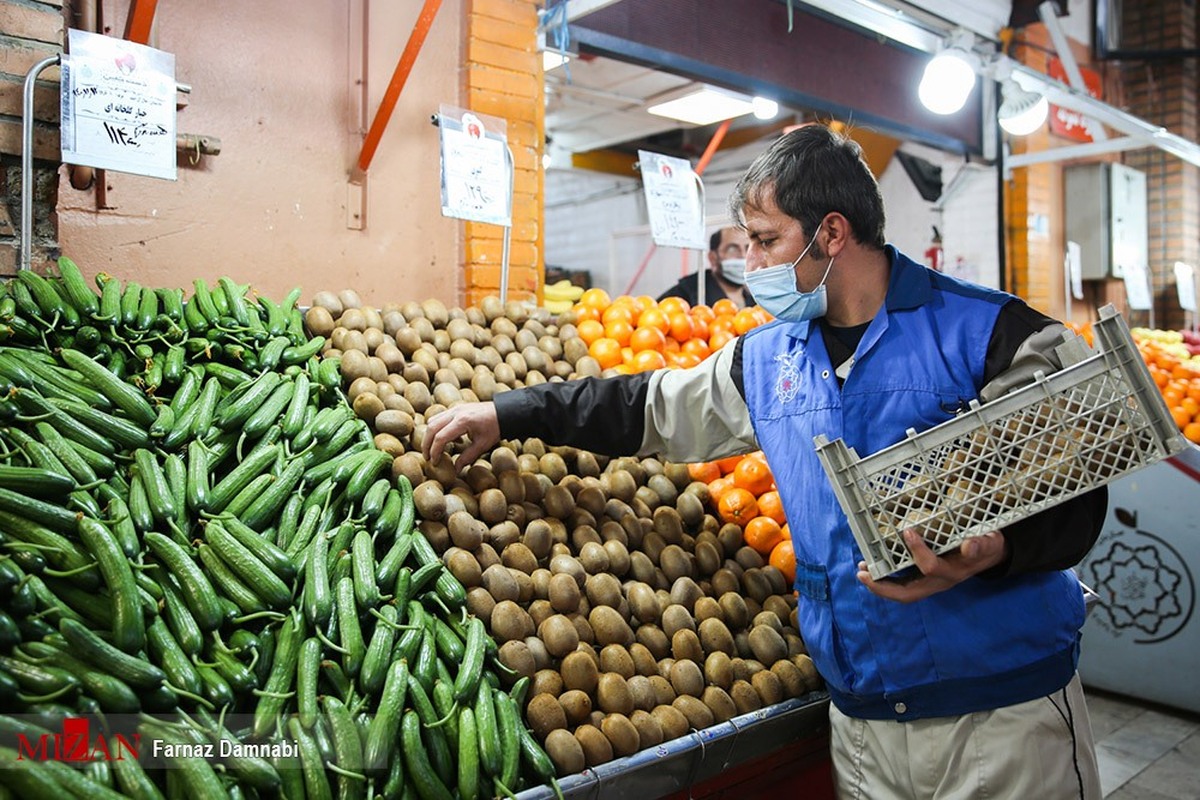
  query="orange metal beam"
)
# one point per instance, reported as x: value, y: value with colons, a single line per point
x: 403, y: 67
x: 140, y: 21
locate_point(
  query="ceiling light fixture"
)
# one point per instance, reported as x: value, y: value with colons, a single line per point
x: 552, y: 59
x: 948, y: 80
x: 1022, y: 111
x: 764, y: 108
x: 704, y: 106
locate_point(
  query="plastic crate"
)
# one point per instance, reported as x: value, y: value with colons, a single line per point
x: 1098, y: 418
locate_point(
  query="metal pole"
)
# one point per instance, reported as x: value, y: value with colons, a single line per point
x: 27, y: 162
x: 702, y: 273
x: 512, y: 177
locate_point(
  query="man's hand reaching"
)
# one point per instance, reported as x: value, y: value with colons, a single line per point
x: 477, y: 421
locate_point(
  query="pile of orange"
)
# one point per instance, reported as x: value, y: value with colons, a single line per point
x: 636, y: 334
x: 1175, y: 371
x: 1178, y: 379
x: 742, y: 489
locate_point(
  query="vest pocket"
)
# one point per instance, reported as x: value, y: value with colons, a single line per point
x: 812, y: 581
x: 818, y: 628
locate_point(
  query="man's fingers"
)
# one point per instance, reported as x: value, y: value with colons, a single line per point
x: 925, y: 559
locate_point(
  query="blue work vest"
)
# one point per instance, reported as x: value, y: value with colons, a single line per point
x: 984, y: 643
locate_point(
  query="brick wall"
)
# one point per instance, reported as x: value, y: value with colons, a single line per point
x: 1164, y: 92
x: 32, y: 31
x: 503, y: 78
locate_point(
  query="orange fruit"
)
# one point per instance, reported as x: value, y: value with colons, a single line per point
x: 620, y: 330
x: 643, y: 302
x: 718, y: 487
x: 753, y: 475
x: 1190, y: 405
x: 589, y: 330
x: 723, y: 322
x: 737, y: 505
x: 606, y: 351
x: 1192, y: 432
x: 770, y: 505
x: 648, y: 360
x: 647, y: 339
x: 655, y: 318
x: 583, y: 312
x: 763, y: 533
x: 596, y: 298
x: 686, y: 360
x: 783, y: 558
x: 673, y: 305
x: 724, y: 307
x: 702, y: 314
x: 728, y: 463
x: 696, y: 347
x: 745, y: 320
x: 719, y: 339
x: 627, y: 354
x: 705, y: 471
x: 617, y: 311
x: 1182, y: 418
x: 681, y: 327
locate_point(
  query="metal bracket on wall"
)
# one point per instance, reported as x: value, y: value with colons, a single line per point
x: 27, y: 161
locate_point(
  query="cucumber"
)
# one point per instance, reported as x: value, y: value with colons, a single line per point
x: 123, y: 395
x: 381, y: 734
x: 128, y: 626
x: 247, y: 566
x: 428, y: 784
x: 197, y: 591
x: 91, y: 648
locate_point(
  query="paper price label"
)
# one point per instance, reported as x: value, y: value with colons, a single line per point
x: 118, y: 106
x: 672, y: 201
x: 1185, y: 282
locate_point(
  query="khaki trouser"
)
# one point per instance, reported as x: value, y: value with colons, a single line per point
x: 1039, y: 750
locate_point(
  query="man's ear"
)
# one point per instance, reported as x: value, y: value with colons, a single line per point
x: 714, y: 260
x: 837, y: 233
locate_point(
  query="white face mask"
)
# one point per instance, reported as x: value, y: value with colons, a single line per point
x: 734, y: 270
x: 774, y: 288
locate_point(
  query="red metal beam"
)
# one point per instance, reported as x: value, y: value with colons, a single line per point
x: 403, y: 67
x: 140, y: 21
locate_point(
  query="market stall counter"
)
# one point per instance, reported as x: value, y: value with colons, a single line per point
x: 781, y: 750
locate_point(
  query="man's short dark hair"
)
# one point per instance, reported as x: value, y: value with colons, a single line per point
x: 714, y: 241
x: 809, y: 173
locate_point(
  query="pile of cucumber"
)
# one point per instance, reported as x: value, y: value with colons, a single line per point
x: 200, y: 543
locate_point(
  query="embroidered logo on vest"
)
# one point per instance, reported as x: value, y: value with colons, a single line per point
x: 788, y: 382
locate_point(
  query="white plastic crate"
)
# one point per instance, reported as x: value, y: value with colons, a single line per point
x: 1098, y: 418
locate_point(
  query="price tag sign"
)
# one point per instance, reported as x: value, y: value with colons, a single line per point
x: 118, y: 106
x: 672, y: 201
x: 1185, y: 282
x: 1137, y: 286
x: 476, y: 170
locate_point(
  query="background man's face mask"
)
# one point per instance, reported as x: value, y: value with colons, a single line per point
x: 734, y: 270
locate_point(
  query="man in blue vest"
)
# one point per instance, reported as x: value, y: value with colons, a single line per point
x: 959, y: 682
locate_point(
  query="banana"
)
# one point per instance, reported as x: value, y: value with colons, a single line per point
x: 563, y: 290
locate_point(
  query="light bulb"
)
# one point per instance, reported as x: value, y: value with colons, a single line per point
x: 947, y: 82
x: 1022, y: 111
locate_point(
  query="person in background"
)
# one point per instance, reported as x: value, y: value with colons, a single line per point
x: 725, y: 275
x: 959, y: 679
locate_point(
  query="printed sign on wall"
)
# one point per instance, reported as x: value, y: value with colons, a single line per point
x: 118, y: 106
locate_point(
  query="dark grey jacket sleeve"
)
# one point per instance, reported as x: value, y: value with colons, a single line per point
x: 685, y: 415
x: 1023, y: 343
